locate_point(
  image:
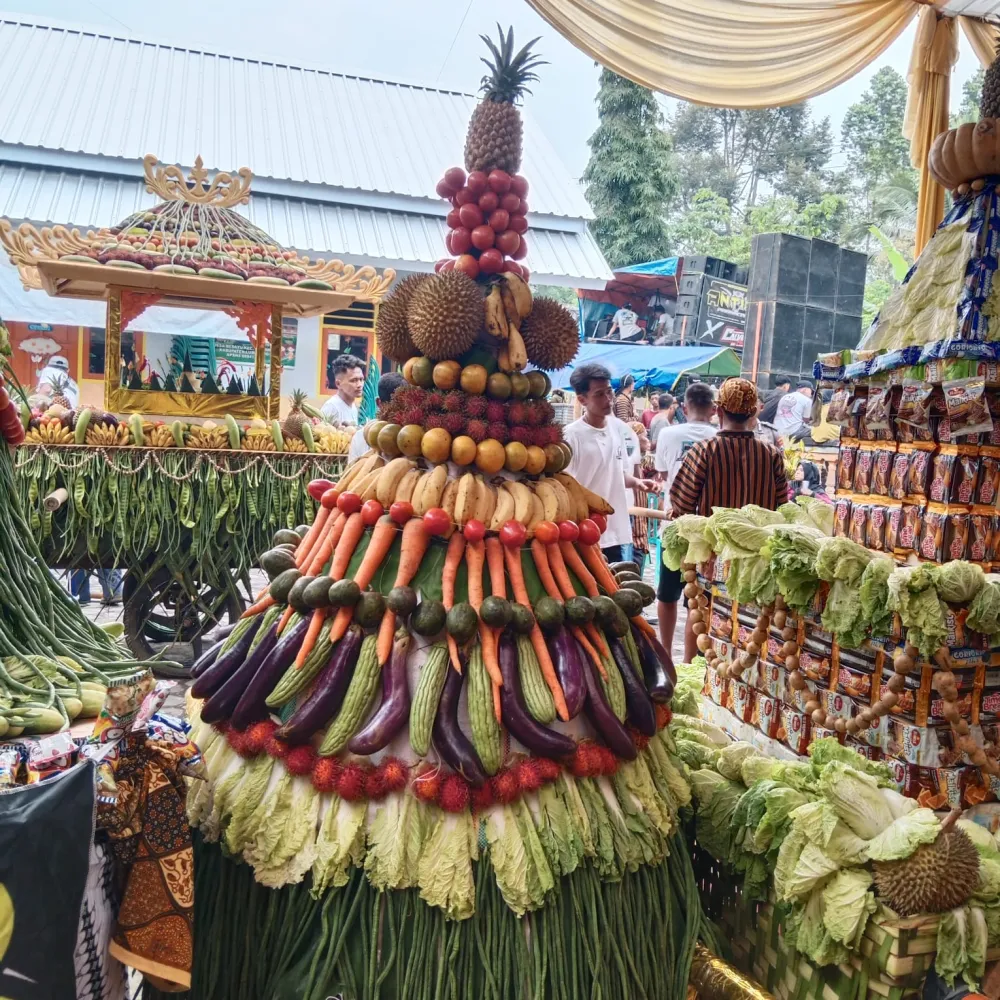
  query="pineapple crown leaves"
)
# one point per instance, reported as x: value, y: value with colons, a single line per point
x: 297, y: 398
x: 509, y: 73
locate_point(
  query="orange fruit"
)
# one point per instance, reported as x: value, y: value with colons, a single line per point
x: 519, y: 385
x: 422, y: 372
x: 473, y: 379
x: 409, y: 438
x: 408, y: 371
x: 372, y: 432
x: 490, y: 456
x: 387, y: 440
x: 435, y: 445
x: 517, y: 456
x: 463, y: 450
x: 535, y: 464
x: 498, y: 386
x: 446, y: 374
x: 554, y: 459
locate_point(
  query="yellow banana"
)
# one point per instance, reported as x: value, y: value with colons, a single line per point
x: 487, y: 502
x: 496, y: 317
x: 509, y: 303
x: 564, y: 503
x: 404, y: 491
x: 547, y: 497
x: 504, y: 510
x: 521, y: 291
x: 592, y: 500
x: 449, y: 497
x: 522, y: 500
x: 537, y: 512
x: 389, y: 479
x: 515, y: 346
x: 465, y: 502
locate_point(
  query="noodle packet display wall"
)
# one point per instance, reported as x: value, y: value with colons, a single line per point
x: 840, y: 407
x: 845, y: 465
x: 842, y: 516
x: 981, y: 525
x: 989, y: 475
x: 863, y: 468
x: 877, y: 412
x: 910, y: 527
x: 931, y: 541
x: 956, y: 537
x: 897, y: 477
x: 893, y: 523
x: 966, y: 474
x: 968, y: 412
x: 915, y: 405
x: 918, y: 471
x: 857, y: 531
x: 882, y: 469
x: 942, y: 470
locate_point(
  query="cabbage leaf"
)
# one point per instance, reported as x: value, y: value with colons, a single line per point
x: 904, y: 835
x: 847, y: 904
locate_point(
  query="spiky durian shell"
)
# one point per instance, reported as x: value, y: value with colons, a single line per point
x: 445, y: 314
x: 391, y: 331
x: 551, y: 336
x: 935, y: 878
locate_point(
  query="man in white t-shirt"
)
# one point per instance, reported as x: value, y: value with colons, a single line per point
x: 672, y: 444
x: 626, y: 322
x: 600, y: 456
x: 349, y: 379
x: 794, y: 409
x: 387, y: 385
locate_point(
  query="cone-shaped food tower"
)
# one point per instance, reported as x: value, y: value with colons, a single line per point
x: 446, y: 688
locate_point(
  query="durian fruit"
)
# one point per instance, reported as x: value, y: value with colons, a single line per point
x: 936, y: 877
x: 391, y: 331
x: 989, y: 102
x: 551, y: 336
x: 445, y: 315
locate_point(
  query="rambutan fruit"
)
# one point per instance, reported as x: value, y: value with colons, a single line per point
x: 550, y: 770
x: 529, y: 777
x: 277, y: 748
x: 497, y: 430
x: 608, y: 761
x: 545, y: 410
x: 663, y: 716
x: 454, y: 423
x: 454, y: 794
x: 300, y: 760
x: 505, y: 786
x: 517, y: 413
x: 395, y: 774
x: 476, y: 406
x: 258, y: 735
x: 522, y: 434
x: 477, y: 430
x: 639, y: 739
x: 412, y: 415
x: 375, y: 786
x: 482, y: 797
x: 434, y: 401
x: 326, y: 774
x: 409, y: 395
x: 433, y: 421
x: 390, y: 413
x: 586, y: 761
x: 495, y: 410
x: 454, y: 402
x: 237, y: 740
x: 427, y: 785
x: 351, y: 783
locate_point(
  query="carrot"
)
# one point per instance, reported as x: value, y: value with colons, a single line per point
x: 475, y: 555
x: 263, y: 602
x: 383, y: 535
x: 308, y: 543
x: 520, y: 591
x: 351, y: 534
x: 386, y: 631
x: 452, y: 559
x: 340, y: 623
x: 315, y: 626
x: 415, y: 541
x: 494, y: 559
x: 573, y: 561
x: 323, y: 549
x: 285, y: 619
x: 590, y: 650
x: 644, y: 626
x: 594, y: 558
x: 559, y: 571
x: 544, y: 571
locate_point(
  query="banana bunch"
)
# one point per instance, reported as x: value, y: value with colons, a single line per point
x: 106, y: 436
x: 160, y: 436
x: 296, y: 445
x: 333, y: 440
x: 49, y: 432
x: 261, y: 436
x: 507, y: 304
x: 208, y: 436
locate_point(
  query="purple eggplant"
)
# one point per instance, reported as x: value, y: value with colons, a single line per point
x: 604, y: 720
x: 568, y: 660
x: 236, y: 697
x: 454, y: 746
x: 226, y: 664
x: 537, y: 738
x: 657, y: 667
x: 393, y: 713
x: 327, y: 692
x: 210, y: 655
x: 639, y: 708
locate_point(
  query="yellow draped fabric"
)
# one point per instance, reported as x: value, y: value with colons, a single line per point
x: 982, y: 37
x: 934, y: 53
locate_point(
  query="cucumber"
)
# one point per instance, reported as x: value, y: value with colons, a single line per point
x: 496, y: 612
x: 579, y: 610
x: 522, y: 621
x: 428, y: 695
x: 317, y: 592
x: 177, y: 429
x: 369, y: 610
x: 551, y: 614
x: 135, y: 430
x: 233, y: 429
x: 625, y: 567
x: 285, y: 536
x: 274, y: 562
x: 297, y: 593
x: 402, y: 601
x: 537, y: 696
x: 308, y: 437
x: 628, y: 600
x: 645, y: 591
x: 344, y: 593
x: 485, y: 729
x: 82, y: 423
x: 277, y: 436
x: 429, y: 618
x: 462, y: 622
x: 296, y: 679
x: 610, y: 616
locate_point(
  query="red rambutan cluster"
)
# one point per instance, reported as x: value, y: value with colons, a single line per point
x: 532, y: 416
x: 413, y: 415
x: 476, y: 406
x: 482, y: 797
x: 300, y: 760
x: 498, y: 431
x: 454, y: 796
x: 434, y: 401
x: 326, y: 774
x: 477, y: 430
x: 454, y: 423
x: 587, y: 760
x: 395, y: 774
x: 391, y: 413
x: 454, y: 402
x: 524, y: 435
x: 375, y: 784
x: 351, y: 783
x: 546, y: 412
x: 517, y: 413
x: 427, y: 785
x: 505, y: 786
x: 258, y: 735
x: 433, y: 420
x: 495, y: 411
x: 409, y: 395
x: 529, y: 777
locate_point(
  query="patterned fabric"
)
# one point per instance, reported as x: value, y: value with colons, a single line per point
x: 624, y: 408
x: 99, y: 976
x: 731, y: 469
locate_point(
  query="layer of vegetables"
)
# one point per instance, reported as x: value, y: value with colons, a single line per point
x: 804, y: 834
x: 791, y: 552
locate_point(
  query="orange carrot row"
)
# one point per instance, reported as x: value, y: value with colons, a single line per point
x: 452, y: 560
x: 383, y: 535
x: 414, y: 544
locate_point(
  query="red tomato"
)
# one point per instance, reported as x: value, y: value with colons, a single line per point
x: 447, y: 241
x: 477, y: 182
x: 525, y: 273
x: 523, y: 210
x: 491, y: 261
x: 518, y: 223
x: 468, y: 264
x: 513, y: 534
x: 371, y: 512
x: 452, y: 219
x: 462, y: 197
x: 511, y: 203
x: 454, y: 177
x: 4, y: 398
x: 522, y: 249
x: 590, y: 533
x: 449, y: 265
x: 512, y: 266
x: 499, y: 181
x: 471, y: 215
x: 436, y: 521
x: 316, y: 488
x: 488, y: 202
x: 329, y: 499
x: 401, y: 511
x: 519, y: 185
x: 483, y: 237
x: 439, y: 264
x: 474, y: 530
x: 508, y: 241
x: 445, y: 190
x: 461, y: 240
x: 569, y: 531
x: 349, y: 503
x: 499, y: 220
x: 547, y: 532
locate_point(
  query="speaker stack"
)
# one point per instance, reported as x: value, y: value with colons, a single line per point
x: 805, y: 298
x: 711, y: 302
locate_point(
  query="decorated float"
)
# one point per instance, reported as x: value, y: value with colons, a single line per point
x: 182, y: 477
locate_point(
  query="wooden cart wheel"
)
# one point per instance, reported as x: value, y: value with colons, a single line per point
x: 159, y: 612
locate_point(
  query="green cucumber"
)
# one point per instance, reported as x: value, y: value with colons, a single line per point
x: 428, y: 695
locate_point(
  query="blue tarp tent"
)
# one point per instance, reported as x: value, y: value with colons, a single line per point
x: 652, y: 367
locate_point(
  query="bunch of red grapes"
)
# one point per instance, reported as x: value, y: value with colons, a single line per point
x: 487, y: 222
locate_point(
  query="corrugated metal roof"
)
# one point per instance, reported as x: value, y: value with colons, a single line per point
x: 357, y: 235
x: 82, y: 91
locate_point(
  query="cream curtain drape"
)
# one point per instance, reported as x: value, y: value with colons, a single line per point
x: 982, y: 37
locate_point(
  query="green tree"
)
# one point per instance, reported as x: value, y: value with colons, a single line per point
x: 972, y: 91
x: 630, y: 177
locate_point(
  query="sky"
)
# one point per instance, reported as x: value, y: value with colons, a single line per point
x: 424, y: 42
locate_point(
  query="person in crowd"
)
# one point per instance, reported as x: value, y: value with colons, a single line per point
x: 349, y: 379
x: 643, y: 471
x: 824, y: 434
x: 624, y: 403
x: 668, y: 411
x: 808, y: 482
x: 387, y: 385
x: 770, y: 407
x: 652, y: 409
x: 672, y: 444
x: 765, y: 431
x: 600, y: 459
x: 626, y: 322
x: 794, y: 409
x: 57, y: 367
x: 730, y: 469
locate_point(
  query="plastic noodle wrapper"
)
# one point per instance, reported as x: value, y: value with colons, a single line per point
x: 852, y: 426
x: 877, y: 415
x: 10, y: 765
x: 932, y: 533
x: 840, y: 407
x: 875, y: 527
x: 846, y: 461
x: 993, y: 404
x: 957, y: 531
x: 918, y: 472
x: 989, y: 475
x: 153, y: 702
x: 46, y: 756
x: 942, y: 470
x: 980, y: 548
x: 943, y: 434
x: 830, y: 366
x: 858, y: 527
x: 841, y: 516
x: 897, y: 476
x: 910, y: 527
x: 966, y: 475
x: 863, y: 468
x: 915, y: 404
x: 882, y: 470
x: 893, y: 522
x: 105, y: 757
x: 967, y: 408
x: 121, y: 708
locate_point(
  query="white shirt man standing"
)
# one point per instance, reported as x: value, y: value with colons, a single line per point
x: 626, y: 322
x: 600, y: 456
x: 387, y: 385
x: 349, y: 379
x: 793, y: 411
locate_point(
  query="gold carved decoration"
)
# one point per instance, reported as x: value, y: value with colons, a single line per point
x: 170, y: 184
x: 26, y: 246
x: 361, y: 282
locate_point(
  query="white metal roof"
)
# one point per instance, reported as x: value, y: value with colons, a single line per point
x: 353, y: 233
x: 81, y: 90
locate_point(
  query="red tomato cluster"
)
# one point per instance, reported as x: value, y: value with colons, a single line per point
x: 487, y: 222
x: 10, y: 418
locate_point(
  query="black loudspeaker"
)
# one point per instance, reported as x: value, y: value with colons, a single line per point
x: 690, y: 284
x: 700, y: 264
x: 688, y: 305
